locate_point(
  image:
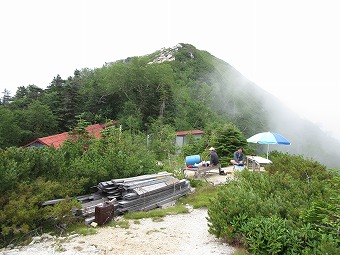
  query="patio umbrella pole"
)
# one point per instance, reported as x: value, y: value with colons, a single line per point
x: 267, y: 150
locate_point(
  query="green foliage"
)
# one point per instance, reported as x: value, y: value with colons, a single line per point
x: 22, y: 212
x: 62, y: 214
x: 225, y: 138
x: 32, y: 176
x: 26, y: 96
x: 6, y: 99
x: 117, y: 155
x: 279, y: 212
x: 194, y: 146
x: 324, y: 217
x: 38, y: 120
x: 196, y: 63
x: 10, y: 131
x: 162, y: 139
x: 131, y: 117
x: 189, y: 92
x: 197, y: 183
x: 25, y: 164
x: 298, y: 167
x: 8, y: 172
x: 270, y: 235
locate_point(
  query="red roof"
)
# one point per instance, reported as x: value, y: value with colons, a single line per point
x: 194, y: 132
x: 55, y: 140
x: 59, y: 139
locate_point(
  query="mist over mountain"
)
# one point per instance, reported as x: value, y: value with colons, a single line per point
x: 254, y: 110
x: 306, y: 138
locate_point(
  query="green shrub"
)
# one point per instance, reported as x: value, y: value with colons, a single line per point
x: 279, y: 212
x: 62, y: 214
x: 22, y: 212
x: 263, y: 235
x: 298, y: 167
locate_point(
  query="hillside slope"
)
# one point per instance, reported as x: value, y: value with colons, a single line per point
x: 182, y: 86
x: 307, y: 139
x: 254, y: 110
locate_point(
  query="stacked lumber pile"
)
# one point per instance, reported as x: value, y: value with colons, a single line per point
x: 140, y: 193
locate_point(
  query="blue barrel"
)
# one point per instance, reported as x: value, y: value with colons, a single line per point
x: 193, y: 159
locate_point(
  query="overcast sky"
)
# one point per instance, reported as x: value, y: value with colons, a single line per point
x: 289, y: 48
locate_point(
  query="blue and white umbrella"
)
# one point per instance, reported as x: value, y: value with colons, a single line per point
x: 268, y: 138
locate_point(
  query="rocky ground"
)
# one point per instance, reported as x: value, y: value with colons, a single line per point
x: 176, y: 234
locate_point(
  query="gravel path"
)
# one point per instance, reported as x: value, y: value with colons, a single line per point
x: 177, y: 234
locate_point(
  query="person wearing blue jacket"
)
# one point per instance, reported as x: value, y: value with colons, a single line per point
x: 238, y: 157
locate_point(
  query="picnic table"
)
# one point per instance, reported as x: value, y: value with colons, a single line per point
x: 201, y: 171
x: 256, y: 162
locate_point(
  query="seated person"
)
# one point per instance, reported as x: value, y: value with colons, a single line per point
x: 214, y: 161
x: 238, y: 157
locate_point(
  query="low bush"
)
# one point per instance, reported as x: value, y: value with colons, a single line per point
x: 279, y: 212
x: 31, y: 176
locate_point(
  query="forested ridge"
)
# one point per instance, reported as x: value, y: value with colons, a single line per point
x: 134, y: 91
x: 185, y: 87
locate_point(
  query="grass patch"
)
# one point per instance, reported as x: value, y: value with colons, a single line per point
x: 122, y: 224
x: 157, y: 213
x: 87, y: 231
x: 201, y: 197
x: 81, y: 229
x: 196, y: 182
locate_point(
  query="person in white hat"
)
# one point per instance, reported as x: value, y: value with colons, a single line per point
x: 214, y: 161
